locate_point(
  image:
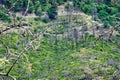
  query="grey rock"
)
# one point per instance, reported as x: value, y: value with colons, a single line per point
x: 111, y: 62
x: 112, y: 78
x: 54, y: 79
x: 113, y: 50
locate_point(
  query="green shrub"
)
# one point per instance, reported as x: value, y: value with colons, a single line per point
x: 38, y: 11
x: 37, y: 19
x: 87, y: 8
x: 111, y: 20
x: 4, y: 17
x: 118, y: 15
x: 101, y: 7
x: 113, y: 11
x: 103, y: 14
x: 52, y: 12
x: 118, y: 7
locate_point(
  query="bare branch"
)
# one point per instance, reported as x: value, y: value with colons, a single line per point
x: 27, y: 7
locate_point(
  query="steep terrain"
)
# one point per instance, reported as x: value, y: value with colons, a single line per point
x: 72, y: 45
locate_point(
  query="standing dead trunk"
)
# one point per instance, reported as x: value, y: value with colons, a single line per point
x: 94, y: 16
x: 76, y: 37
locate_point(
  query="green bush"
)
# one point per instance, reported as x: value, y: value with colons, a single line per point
x: 103, y: 14
x: 52, y: 12
x: 87, y: 8
x: 37, y: 19
x: 113, y: 11
x: 111, y: 20
x: 4, y: 17
x: 118, y: 7
x: 101, y: 7
x: 38, y: 11
x: 118, y: 15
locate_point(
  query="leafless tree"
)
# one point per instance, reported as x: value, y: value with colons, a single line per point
x: 76, y: 36
x: 94, y: 16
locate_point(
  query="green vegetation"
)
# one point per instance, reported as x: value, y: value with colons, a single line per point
x: 105, y: 9
x: 49, y: 46
x: 62, y: 61
x: 3, y: 15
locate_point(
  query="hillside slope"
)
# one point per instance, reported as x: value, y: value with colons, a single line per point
x: 75, y: 44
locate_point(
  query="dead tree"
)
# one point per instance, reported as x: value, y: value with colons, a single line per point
x: 94, y: 17
x: 76, y: 36
x: 27, y: 46
x: 69, y: 9
x: 56, y: 40
x: 83, y: 31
